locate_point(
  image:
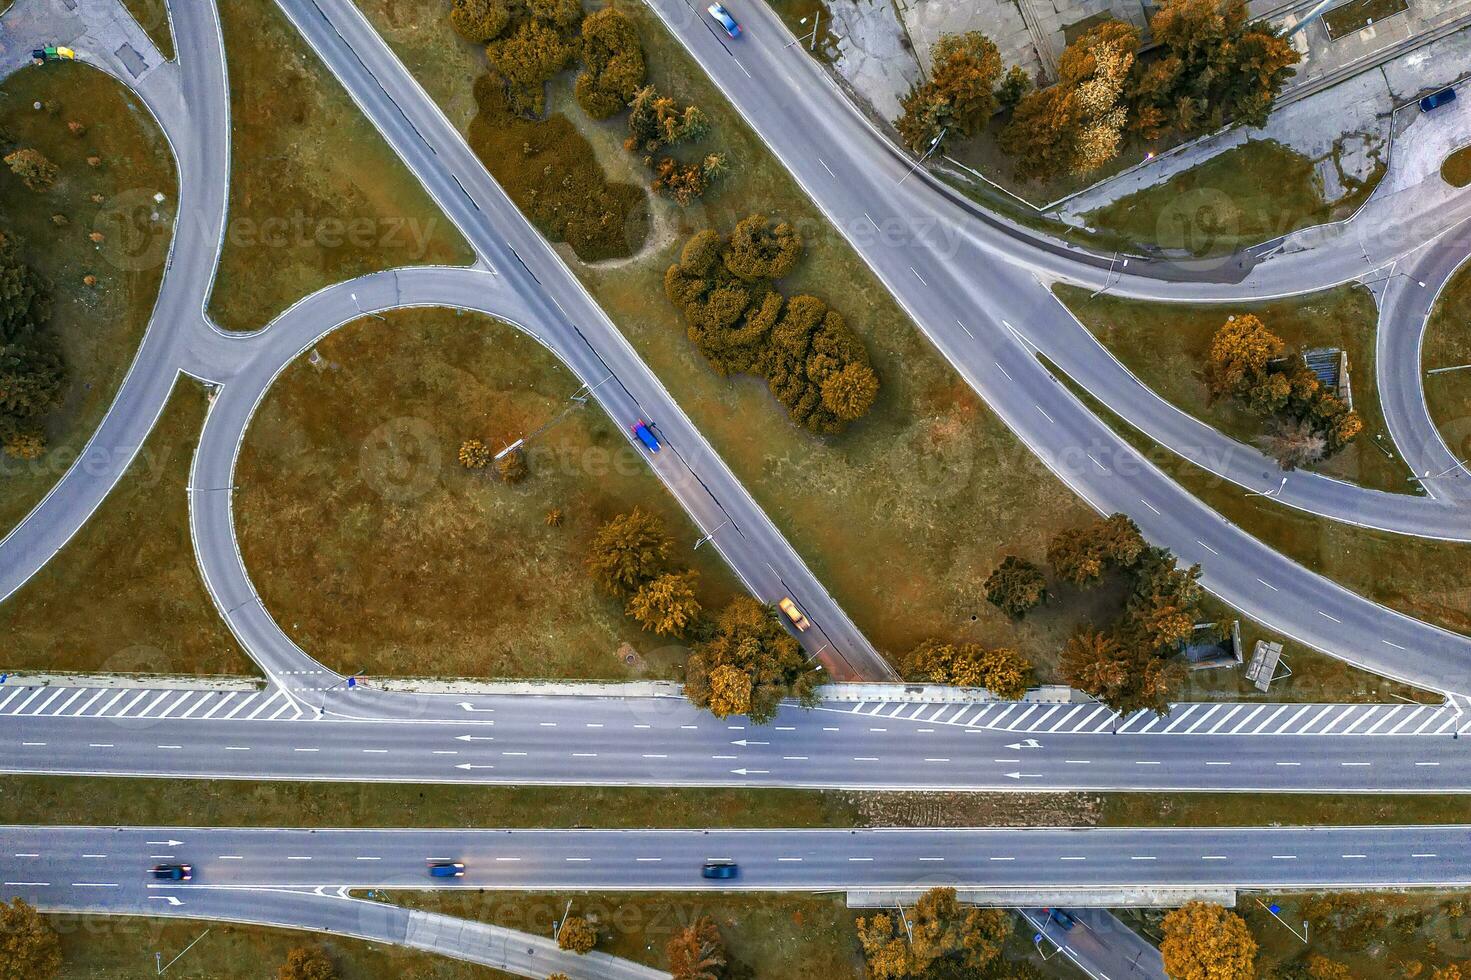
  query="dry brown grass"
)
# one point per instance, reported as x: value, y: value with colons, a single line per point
x: 1166, y: 346
x: 376, y: 551
x: 1447, y: 344
x: 316, y: 195
x: 125, y: 593
x: 99, y: 328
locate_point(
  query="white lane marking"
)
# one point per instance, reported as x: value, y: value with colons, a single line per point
x: 171, y: 746
x: 361, y: 858
x: 513, y: 753
x: 1045, y: 415
x: 1353, y: 856
x: 1427, y: 763
x: 647, y: 755
x: 1269, y: 585
x: 230, y: 696
x: 648, y: 859
x: 508, y: 859
x: 1284, y: 857
x: 94, y: 855
x: 937, y: 760
x: 1096, y: 462
x: 997, y: 363
x: 375, y: 751
x: 932, y: 859
x: 643, y: 726
x: 1206, y: 547
x: 794, y: 758
x: 83, y: 709
x: 99, y: 745
x: 1218, y: 763
x: 1072, y: 858
x: 236, y: 710
x: 594, y: 724
x: 35, y: 883
x: 1078, y: 762
x: 918, y: 276
x: 546, y: 724
x: 68, y: 702
x: 577, y: 859
x: 871, y: 221
x: 94, y: 884
x: 198, y: 704
x: 1356, y: 763
x: 306, y: 750
x: 230, y: 857
x: 1289, y: 763
x: 1326, y: 616
x: 33, y: 743
x: 826, y: 167
x: 860, y: 859
x: 444, y: 752
x: 58, y: 692
x: 237, y: 748
x: 592, y: 755
x: 16, y: 690
x: 798, y: 859
x: 1213, y: 857
x: 1143, y: 857
x: 1003, y: 859
x: 832, y: 729
x: 865, y: 758
x: 1149, y: 505
x: 741, y: 67
x: 1422, y: 855
x: 1391, y: 643
x: 1137, y: 763
x: 37, y: 693
x: 298, y: 857
x: 28, y: 855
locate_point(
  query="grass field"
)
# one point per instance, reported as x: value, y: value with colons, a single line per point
x: 1166, y: 346
x: 316, y: 196
x: 1456, y: 169
x: 1447, y: 343
x: 96, y: 946
x: 435, y: 569
x: 1417, y: 576
x: 153, y: 17
x: 1255, y: 192
x: 928, y: 483
x: 131, y: 571
x: 99, y: 328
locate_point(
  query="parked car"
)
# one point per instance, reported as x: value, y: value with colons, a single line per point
x: 799, y: 620
x: 446, y: 869
x: 724, y: 19
x: 173, y: 872
x: 720, y: 869
x: 1438, y: 99
x: 645, y: 435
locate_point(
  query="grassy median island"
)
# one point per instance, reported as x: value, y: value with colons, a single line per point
x: 931, y: 486
x: 1417, y: 576
x: 377, y: 551
x: 316, y: 195
x: 1166, y: 346
x: 125, y: 594
x: 1447, y: 343
x: 1249, y: 194
x: 97, y: 326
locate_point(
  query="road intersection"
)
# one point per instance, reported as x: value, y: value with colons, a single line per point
x: 977, y: 285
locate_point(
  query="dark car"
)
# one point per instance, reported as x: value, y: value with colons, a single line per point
x: 173, y: 872
x: 446, y: 869
x: 1061, y: 918
x: 724, y: 19
x: 720, y: 869
x: 1438, y: 99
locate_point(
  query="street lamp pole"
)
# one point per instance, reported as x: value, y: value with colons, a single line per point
x: 918, y: 163
x: 364, y: 312
x: 1268, y: 493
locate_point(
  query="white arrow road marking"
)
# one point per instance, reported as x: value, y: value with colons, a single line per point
x: 471, y: 765
x: 743, y: 742
x: 474, y: 738
x: 165, y: 898
x: 751, y: 772
x: 1024, y: 775
x: 165, y: 843
x: 1028, y: 743
x: 470, y: 707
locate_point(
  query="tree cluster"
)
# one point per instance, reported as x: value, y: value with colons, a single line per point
x: 1127, y: 666
x: 1306, y: 422
x: 307, y: 963
x: 29, y: 948
x: 613, y: 66
x: 814, y: 364
x: 1212, y: 66
x: 960, y: 95
x: 32, y: 372
x: 1203, y: 941
x: 657, y: 123
x: 697, y: 952
x: 949, y: 939
x: 577, y: 934
x: 1076, y: 125
x: 1003, y: 672
x: 1016, y: 587
x: 630, y: 557
x: 527, y: 42
x: 748, y: 664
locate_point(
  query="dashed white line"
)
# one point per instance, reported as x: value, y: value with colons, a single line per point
x: 1206, y: 547
x: 826, y: 167
x: 1149, y: 505
x: 1326, y: 616
x: 1045, y: 415
x: 1269, y: 585
x: 918, y: 276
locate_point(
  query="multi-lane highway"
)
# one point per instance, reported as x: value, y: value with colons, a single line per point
x: 53, y: 864
x: 667, y: 742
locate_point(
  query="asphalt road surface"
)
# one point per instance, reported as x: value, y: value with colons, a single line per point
x: 668, y: 742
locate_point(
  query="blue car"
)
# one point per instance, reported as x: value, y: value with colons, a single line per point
x: 724, y: 19
x: 720, y: 869
x: 645, y: 435
x: 173, y: 872
x: 446, y: 869
x: 1438, y: 99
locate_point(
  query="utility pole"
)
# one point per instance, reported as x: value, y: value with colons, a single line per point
x: 908, y: 929
x: 159, y: 956
x: 557, y: 925
x: 920, y: 162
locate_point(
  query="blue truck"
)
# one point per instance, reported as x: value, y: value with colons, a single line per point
x: 645, y: 435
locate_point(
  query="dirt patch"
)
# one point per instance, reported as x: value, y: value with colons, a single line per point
x: 975, y: 809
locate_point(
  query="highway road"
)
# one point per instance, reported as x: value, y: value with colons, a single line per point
x: 109, y: 865
x: 520, y: 739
